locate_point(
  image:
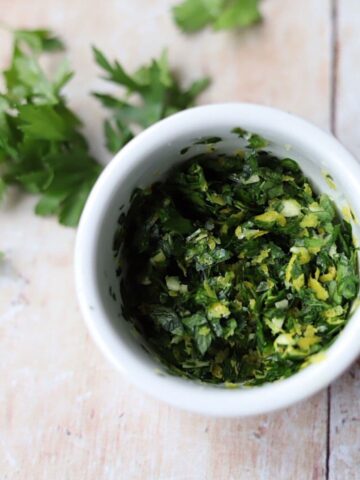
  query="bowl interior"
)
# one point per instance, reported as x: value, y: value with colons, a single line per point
x: 152, y: 163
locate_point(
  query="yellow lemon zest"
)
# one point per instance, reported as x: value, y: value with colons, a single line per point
x: 320, y: 292
x: 262, y: 255
x: 302, y: 253
x: 347, y: 213
x: 272, y: 216
x: 329, y: 180
x: 218, y: 310
x: 333, y: 312
x: 299, y: 282
x: 309, y: 339
x: 289, y: 268
x: 331, y: 275
x: 310, y: 220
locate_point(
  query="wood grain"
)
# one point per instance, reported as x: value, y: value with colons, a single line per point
x: 64, y: 412
x: 344, y: 435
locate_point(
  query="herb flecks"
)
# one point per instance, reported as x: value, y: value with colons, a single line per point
x: 236, y: 269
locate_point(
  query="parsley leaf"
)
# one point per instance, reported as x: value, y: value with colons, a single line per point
x: 41, y: 40
x: 159, y: 92
x: 42, y: 148
x: 194, y: 15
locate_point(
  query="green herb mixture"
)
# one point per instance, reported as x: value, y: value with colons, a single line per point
x: 236, y: 269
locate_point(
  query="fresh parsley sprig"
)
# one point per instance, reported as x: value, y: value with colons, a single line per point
x: 42, y: 149
x: 159, y: 91
x: 194, y: 15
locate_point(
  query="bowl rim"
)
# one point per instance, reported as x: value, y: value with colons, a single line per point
x: 186, y: 394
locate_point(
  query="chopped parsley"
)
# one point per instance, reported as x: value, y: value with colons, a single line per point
x: 236, y: 270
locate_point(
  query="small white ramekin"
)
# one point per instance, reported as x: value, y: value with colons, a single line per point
x: 140, y: 163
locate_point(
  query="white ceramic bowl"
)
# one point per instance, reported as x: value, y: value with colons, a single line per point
x: 140, y: 163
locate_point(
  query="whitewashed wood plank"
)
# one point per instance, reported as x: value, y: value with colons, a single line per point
x: 64, y: 413
x: 344, y: 461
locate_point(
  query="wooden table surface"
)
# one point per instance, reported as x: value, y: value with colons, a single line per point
x: 64, y: 412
